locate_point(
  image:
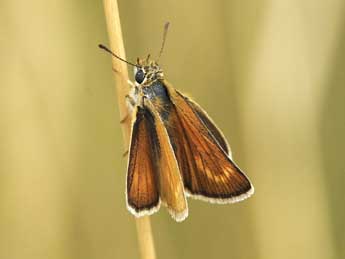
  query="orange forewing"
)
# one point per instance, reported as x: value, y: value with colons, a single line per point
x: 208, y: 172
x: 171, y: 187
x: 153, y: 172
x: 217, y: 134
x: 142, y: 184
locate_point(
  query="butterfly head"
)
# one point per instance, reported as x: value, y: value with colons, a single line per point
x: 147, y: 71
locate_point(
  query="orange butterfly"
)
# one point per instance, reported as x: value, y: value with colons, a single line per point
x: 176, y: 150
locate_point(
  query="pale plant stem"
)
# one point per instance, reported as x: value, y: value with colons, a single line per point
x: 145, y: 237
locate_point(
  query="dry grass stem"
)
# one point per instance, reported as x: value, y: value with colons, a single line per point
x: 111, y: 10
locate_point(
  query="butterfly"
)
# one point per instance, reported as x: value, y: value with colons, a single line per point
x: 176, y: 150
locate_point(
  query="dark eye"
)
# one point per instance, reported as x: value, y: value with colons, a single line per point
x: 140, y: 76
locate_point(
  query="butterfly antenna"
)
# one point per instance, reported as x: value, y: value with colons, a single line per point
x: 165, y: 32
x: 114, y: 55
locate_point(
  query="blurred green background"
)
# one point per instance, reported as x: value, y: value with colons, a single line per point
x: 270, y: 73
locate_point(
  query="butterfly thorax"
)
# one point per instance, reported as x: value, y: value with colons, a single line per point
x: 150, y: 87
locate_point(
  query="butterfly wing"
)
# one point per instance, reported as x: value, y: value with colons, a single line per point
x: 211, y: 126
x: 142, y: 184
x: 153, y: 173
x: 207, y: 171
x: 170, y: 182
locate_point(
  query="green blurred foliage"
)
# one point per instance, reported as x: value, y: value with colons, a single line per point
x: 270, y: 73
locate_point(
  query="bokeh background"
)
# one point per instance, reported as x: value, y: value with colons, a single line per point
x: 270, y: 73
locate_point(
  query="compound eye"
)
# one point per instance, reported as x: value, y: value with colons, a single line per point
x: 139, y: 76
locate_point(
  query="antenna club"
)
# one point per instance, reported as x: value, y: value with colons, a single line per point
x: 101, y: 46
x: 165, y: 31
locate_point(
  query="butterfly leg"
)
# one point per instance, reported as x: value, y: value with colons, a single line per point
x: 130, y: 83
x: 130, y: 101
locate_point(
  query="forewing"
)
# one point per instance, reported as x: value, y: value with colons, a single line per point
x: 208, y: 172
x: 211, y: 126
x: 142, y: 185
x: 171, y: 187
